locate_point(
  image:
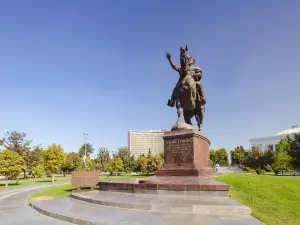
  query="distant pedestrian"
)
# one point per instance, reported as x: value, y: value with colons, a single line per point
x: 217, y: 168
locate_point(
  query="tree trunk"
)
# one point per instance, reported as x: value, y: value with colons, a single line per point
x: 24, y: 171
x: 6, y: 184
x: 53, y: 179
x: 281, y: 172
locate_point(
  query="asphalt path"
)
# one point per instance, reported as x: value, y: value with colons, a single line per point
x: 14, y: 209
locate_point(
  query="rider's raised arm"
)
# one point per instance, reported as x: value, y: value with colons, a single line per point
x: 173, y: 65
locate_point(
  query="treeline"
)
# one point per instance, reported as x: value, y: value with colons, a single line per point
x: 17, y: 155
x: 219, y: 156
x: 285, y: 157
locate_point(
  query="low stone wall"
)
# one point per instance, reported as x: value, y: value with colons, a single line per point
x: 84, y: 178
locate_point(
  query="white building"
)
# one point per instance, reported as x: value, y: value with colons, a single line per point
x: 139, y: 142
x: 264, y: 143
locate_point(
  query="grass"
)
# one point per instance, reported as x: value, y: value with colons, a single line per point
x: 35, y: 181
x: 64, y: 191
x: 275, y: 200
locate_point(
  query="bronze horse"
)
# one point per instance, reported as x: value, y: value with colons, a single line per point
x: 185, y: 91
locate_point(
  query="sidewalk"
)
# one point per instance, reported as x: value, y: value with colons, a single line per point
x: 4, y: 193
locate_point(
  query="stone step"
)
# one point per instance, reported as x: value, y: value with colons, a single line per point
x: 83, y: 213
x: 165, y: 203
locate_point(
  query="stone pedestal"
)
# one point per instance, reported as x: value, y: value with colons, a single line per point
x: 186, y: 153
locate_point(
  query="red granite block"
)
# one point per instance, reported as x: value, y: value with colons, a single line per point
x: 177, y: 187
x: 112, y: 186
x: 164, y: 187
x: 192, y: 187
x: 151, y: 186
x: 222, y: 187
x: 207, y: 187
x: 139, y: 186
x: 120, y: 186
x: 130, y: 186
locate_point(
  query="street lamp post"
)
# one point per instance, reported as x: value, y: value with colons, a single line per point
x: 85, y: 137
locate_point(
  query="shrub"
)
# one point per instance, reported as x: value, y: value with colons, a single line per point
x: 276, y: 172
x: 252, y: 171
x: 268, y: 168
x: 39, y: 171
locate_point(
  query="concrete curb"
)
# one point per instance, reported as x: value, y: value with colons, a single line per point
x: 167, y: 208
x: 64, y: 218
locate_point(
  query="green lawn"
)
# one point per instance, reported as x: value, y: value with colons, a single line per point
x: 273, y: 199
x: 35, y: 181
x: 64, y: 191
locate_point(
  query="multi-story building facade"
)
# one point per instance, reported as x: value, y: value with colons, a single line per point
x: 271, y: 142
x: 139, y: 142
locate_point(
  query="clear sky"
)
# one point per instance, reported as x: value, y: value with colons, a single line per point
x: 99, y: 67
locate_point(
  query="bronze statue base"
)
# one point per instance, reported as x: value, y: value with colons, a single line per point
x: 181, y: 126
x: 186, y: 153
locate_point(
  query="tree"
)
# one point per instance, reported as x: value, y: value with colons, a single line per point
x: 141, y: 164
x: 116, y: 165
x: 89, y: 150
x: 33, y: 159
x: 17, y: 142
x: 212, y: 156
x: 89, y: 165
x: 162, y: 155
x: 282, y: 158
x: 254, y: 160
x: 219, y: 157
x: 54, y: 159
x: 11, y: 164
x: 154, y: 163
x: 127, y: 158
x: 238, y: 156
x: 294, y: 142
x: 103, y: 159
x: 38, y: 171
x: 72, y: 162
x: 267, y: 159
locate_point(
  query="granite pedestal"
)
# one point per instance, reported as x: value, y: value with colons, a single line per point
x: 187, y: 169
x: 186, y: 153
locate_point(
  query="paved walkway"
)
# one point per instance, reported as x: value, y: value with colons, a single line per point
x: 14, y: 209
x: 224, y: 169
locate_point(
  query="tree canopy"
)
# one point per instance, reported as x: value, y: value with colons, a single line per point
x: 103, y: 159
x: 72, y: 162
x: 54, y: 158
x: 89, y: 150
x: 116, y: 165
x: 237, y: 156
x: 127, y: 159
x: 219, y: 157
x: 282, y: 158
x: 11, y: 164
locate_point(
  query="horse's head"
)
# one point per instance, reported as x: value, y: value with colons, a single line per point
x: 184, y: 58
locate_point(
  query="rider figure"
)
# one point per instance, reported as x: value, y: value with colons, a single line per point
x: 195, y: 72
x: 197, y: 75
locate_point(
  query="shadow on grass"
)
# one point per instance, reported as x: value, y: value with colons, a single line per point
x: 83, y: 188
x: 9, y: 184
x: 44, y: 181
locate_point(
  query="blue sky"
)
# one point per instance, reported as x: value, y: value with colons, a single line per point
x: 99, y: 67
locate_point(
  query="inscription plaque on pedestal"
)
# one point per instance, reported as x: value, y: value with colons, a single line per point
x: 179, y: 151
x: 186, y: 154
